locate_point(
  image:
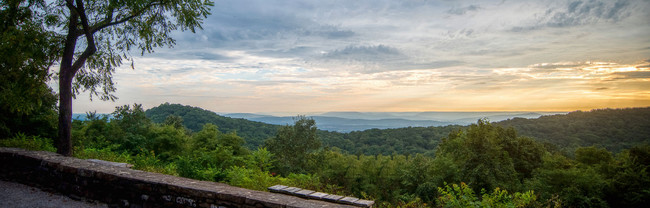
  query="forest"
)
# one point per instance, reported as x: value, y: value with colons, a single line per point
x: 481, y: 165
x: 612, y: 129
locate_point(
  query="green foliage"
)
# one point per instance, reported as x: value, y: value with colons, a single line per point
x: 490, y: 156
x: 485, y: 155
x: 261, y: 159
x: 580, y: 186
x: 411, y: 140
x: 29, y: 142
x: 463, y: 196
x: 251, y: 178
x: 148, y: 161
x: 593, y: 155
x: 206, y: 138
x: 195, y: 118
x: 613, y: 129
x: 116, y: 28
x: 27, y: 50
x: 293, y: 145
x: 175, y: 121
x: 630, y: 182
x: 107, y: 154
x: 167, y: 141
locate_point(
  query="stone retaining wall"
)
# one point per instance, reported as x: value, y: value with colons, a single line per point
x: 125, y: 187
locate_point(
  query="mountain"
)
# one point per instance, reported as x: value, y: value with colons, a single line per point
x: 450, y: 117
x: 194, y: 118
x: 342, y: 124
x: 614, y: 129
x: 83, y: 116
x: 359, y: 121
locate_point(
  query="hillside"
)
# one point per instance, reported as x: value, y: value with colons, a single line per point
x: 194, y: 118
x: 360, y: 121
x: 614, y: 129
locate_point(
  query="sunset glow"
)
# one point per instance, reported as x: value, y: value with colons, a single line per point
x: 319, y: 56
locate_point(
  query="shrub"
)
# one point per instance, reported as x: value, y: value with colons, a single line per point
x: 36, y: 143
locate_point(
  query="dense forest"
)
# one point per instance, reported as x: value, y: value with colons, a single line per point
x: 194, y: 118
x: 481, y: 165
x: 613, y: 129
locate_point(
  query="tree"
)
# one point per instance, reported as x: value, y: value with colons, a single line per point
x: 175, y: 121
x: 107, y: 31
x: 480, y: 155
x: 293, y: 144
x: 27, y: 50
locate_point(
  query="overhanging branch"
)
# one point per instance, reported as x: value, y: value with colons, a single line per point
x: 109, y: 17
x: 90, y: 47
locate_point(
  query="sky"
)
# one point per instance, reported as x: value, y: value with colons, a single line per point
x: 279, y: 56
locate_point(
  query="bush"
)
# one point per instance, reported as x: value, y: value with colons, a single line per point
x: 463, y: 196
x: 147, y: 161
x: 36, y: 143
x: 107, y: 154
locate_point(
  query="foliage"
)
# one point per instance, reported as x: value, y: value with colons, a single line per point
x: 483, y: 156
x: 613, y: 129
x: 107, y: 154
x: 490, y: 156
x: 580, y: 186
x: 148, y: 161
x: 261, y: 159
x: 463, y: 196
x: 630, y: 180
x: 29, y: 142
x: 293, y: 145
x: 194, y: 118
x: 100, y: 34
x: 27, y: 50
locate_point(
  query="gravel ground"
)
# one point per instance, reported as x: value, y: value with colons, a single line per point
x: 19, y: 195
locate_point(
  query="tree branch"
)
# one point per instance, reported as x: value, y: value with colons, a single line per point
x: 70, y: 42
x: 90, y: 46
x: 109, y: 16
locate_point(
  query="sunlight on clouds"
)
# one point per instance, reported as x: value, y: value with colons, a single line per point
x: 400, y: 56
x: 254, y: 84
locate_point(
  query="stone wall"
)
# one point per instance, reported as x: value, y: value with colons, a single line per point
x: 124, y: 187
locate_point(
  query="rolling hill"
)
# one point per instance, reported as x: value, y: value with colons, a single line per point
x: 614, y: 129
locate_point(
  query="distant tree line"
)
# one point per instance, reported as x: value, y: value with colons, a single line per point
x: 613, y: 129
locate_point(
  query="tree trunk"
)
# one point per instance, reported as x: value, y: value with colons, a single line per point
x: 66, y: 74
x: 65, y: 113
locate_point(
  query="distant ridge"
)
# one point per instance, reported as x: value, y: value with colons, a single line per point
x: 194, y: 118
x: 614, y: 129
x: 359, y: 121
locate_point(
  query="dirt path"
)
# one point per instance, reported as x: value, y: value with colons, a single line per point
x: 19, y: 195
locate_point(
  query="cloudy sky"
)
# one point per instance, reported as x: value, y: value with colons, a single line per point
x: 408, y: 55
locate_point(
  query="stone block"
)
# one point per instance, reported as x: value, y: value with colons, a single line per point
x: 291, y: 190
x: 303, y: 193
x: 348, y: 200
x: 364, y: 203
x: 317, y: 195
x: 277, y: 188
x: 332, y: 198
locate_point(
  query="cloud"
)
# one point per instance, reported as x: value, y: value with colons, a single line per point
x: 365, y: 53
x: 296, y: 52
x: 331, y: 55
x: 463, y: 10
x: 577, y: 13
x: 633, y: 75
